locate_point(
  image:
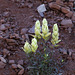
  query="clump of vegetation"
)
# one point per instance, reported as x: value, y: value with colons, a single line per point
x: 41, y: 62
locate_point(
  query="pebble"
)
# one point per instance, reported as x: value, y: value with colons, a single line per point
x: 30, y: 5
x: 2, y: 65
x: 73, y: 17
x: 14, y: 66
x: 11, y: 61
x: 21, y: 72
x: 69, y: 15
x: 2, y: 21
x: 2, y: 59
x: 41, y: 9
x: 23, y: 31
x: 20, y: 62
x: 32, y: 30
x: 21, y: 5
x: 16, y: 36
x: 53, y: 5
x: 64, y: 52
x: 67, y: 23
x: 11, y: 42
x: 65, y: 10
x: 2, y: 27
x: 5, y: 52
x: 19, y: 66
x: 6, y: 14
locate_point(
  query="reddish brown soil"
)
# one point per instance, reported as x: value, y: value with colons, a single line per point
x: 24, y: 19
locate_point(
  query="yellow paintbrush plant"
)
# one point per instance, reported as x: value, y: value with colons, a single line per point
x: 45, y: 31
x: 55, y: 35
x: 31, y: 48
x: 37, y: 30
x: 27, y: 47
x: 34, y: 45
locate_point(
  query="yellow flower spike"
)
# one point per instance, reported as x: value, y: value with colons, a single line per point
x: 27, y: 47
x: 34, y: 45
x: 55, y: 35
x: 45, y: 30
x: 47, y: 34
x: 44, y: 22
x: 55, y: 27
x: 37, y: 29
x: 52, y: 41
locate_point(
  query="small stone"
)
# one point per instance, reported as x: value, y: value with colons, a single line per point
x: 0, y: 55
x: 71, y: 0
x: 2, y: 65
x: 58, y: 1
x: 70, y: 52
x: 19, y: 66
x: 21, y: 5
x: 69, y: 14
x: 2, y: 27
x: 20, y: 62
x: 10, y: 40
x: 2, y: 59
x: 1, y: 37
x: 65, y: 10
x: 7, y: 25
x: 2, y: 21
x: 41, y: 9
x: 11, y: 61
x: 16, y: 36
x: 32, y: 30
x: 21, y: 72
x: 14, y: 66
x: 6, y: 14
x: 5, y: 52
x: 23, y: 37
x: 60, y: 50
x: 73, y: 17
x: 34, y: 19
x: 53, y: 5
x: 66, y: 23
x: 30, y: 5
x: 41, y: 14
x: 23, y: 31
x: 60, y: 74
x: 64, y: 52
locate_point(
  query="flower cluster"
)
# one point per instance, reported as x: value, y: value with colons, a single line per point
x: 27, y: 47
x: 31, y: 48
x: 37, y: 29
x: 55, y: 35
x: 45, y: 35
x: 34, y: 45
x: 45, y: 31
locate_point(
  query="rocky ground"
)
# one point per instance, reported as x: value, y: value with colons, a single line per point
x: 17, y: 20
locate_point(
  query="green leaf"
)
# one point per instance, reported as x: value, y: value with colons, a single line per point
x: 47, y: 34
x: 58, y: 41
